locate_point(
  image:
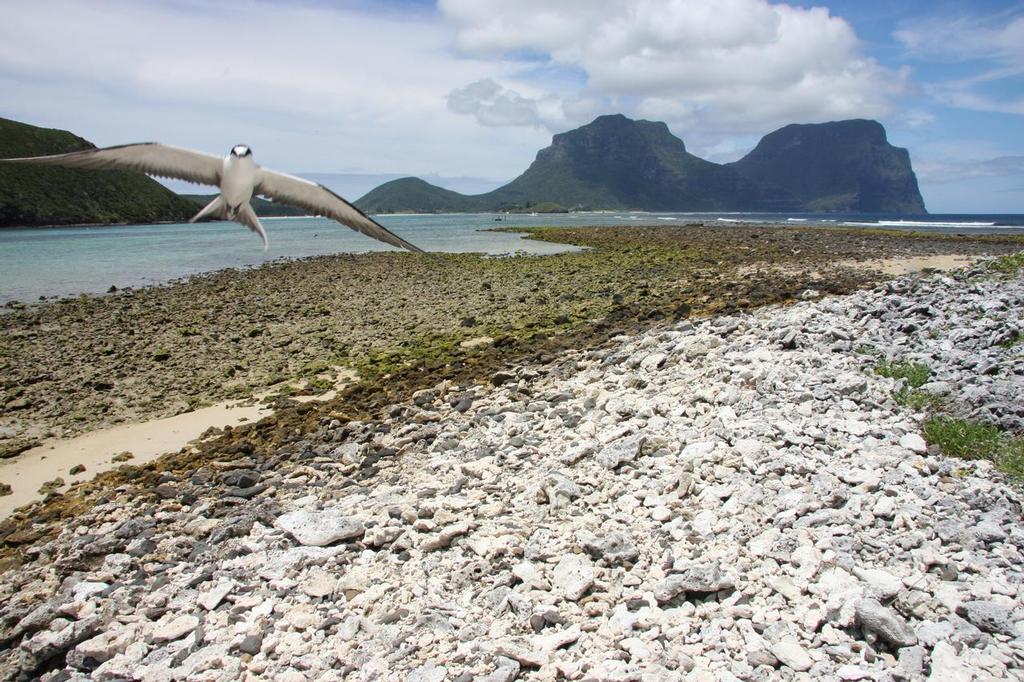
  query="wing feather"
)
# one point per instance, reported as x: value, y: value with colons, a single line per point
x: 313, y: 197
x: 151, y: 158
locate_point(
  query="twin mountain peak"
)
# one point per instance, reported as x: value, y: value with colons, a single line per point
x: 618, y: 163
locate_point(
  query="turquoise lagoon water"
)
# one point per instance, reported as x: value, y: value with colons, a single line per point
x: 68, y: 261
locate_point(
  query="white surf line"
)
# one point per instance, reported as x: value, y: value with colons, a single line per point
x: 147, y: 441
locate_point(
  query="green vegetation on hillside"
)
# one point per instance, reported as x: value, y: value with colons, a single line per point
x: 915, y: 376
x: 542, y: 207
x: 38, y: 195
x: 412, y: 195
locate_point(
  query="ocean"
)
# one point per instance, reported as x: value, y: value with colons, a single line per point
x: 69, y: 261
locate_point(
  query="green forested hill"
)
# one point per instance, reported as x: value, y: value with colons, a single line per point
x: 413, y: 195
x: 618, y: 163
x: 39, y: 195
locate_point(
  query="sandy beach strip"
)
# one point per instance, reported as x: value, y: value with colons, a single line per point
x: 98, y: 451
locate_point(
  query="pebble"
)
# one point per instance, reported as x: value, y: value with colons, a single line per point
x: 573, y: 576
x: 988, y: 616
x: 697, y: 578
x: 881, y: 622
x: 173, y: 628
x: 791, y: 654
x: 914, y: 442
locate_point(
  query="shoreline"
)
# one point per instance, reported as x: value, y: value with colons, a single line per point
x: 744, y: 485
x: 250, y: 329
x: 31, y: 301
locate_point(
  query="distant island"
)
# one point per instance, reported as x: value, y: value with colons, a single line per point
x: 611, y: 163
x: 618, y: 163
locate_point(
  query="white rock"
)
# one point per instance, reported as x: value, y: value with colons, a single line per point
x: 785, y: 587
x: 318, y: 583
x: 914, y: 443
x: 573, y: 576
x: 320, y: 528
x: 86, y: 589
x: 170, y: 628
x: 947, y: 666
x: 882, y: 583
x: 212, y: 597
x: 852, y: 672
x: 791, y: 654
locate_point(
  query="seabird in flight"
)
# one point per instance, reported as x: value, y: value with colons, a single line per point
x: 238, y: 178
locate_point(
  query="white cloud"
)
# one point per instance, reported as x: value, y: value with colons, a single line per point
x: 957, y: 171
x: 715, y: 66
x: 311, y: 87
x: 998, y: 37
x: 915, y: 118
x: 960, y: 93
x: 494, y: 105
x: 991, y: 46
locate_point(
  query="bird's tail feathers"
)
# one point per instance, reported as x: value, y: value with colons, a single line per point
x: 214, y: 209
x: 246, y: 216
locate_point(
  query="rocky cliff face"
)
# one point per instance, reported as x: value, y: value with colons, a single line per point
x: 37, y: 195
x: 839, y: 166
x: 618, y: 163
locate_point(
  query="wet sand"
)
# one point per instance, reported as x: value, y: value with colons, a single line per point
x: 96, y: 450
x: 34, y: 474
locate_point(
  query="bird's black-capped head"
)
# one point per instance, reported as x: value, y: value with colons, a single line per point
x: 241, y: 150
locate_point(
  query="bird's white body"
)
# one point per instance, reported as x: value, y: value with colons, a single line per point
x: 238, y: 180
x: 238, y: 177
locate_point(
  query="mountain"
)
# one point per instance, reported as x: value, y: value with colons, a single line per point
x: 618, y: 163
x: 40, y: 195
x: 840, y: 166
x: 412, y: 195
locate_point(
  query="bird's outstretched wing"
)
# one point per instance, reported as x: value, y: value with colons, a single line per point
x: 289, y: 189
x: 151, y: 158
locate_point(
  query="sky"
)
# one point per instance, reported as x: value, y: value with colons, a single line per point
x: 465, y: 92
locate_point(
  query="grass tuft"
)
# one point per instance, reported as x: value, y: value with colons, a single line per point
x: 1014, y: 339
x: 918, y: 400
x: 974, y: 440
x: 915, y: 373
x: 1009, y: 265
